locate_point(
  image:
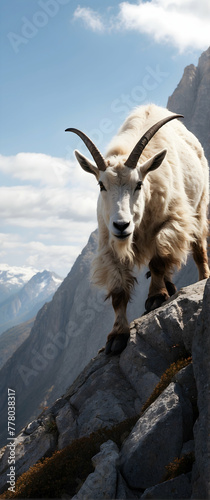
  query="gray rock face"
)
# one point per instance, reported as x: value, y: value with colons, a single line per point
x: 102, y: 482
x: 192, y: 99
x: 99, y: 400
x: 67, y: 333
x: 179, y: 487
x: 66, y: 426
x: 112, y: 389
x: 12, y: 339
x: 170, y: 330
x: 201, y: 366
x: 186, y: 380
x: 151, y: 445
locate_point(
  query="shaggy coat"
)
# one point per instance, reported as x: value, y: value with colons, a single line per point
x: 151, y: 214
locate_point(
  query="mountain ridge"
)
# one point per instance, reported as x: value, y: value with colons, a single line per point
x: 11, y: 339
x: 30, y: 297
x: 12, y: 278
x: 192, y: 99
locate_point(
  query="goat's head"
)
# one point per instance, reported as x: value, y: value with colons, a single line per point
x: 121, y: 201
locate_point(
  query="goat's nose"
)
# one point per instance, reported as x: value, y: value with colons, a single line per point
x: 121, y: 226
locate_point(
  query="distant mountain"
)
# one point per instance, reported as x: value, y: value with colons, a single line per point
x: 192, y: 99
x: 26, y: 302
x: 12, y: 339
x: 13, y: 278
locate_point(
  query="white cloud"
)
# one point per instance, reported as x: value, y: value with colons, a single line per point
x: 42, y: 168
x: 91, y: 18
x: 180, y: 23
x: 61, y: 257
x: 33, y: 207
x: 45, y: 221
x: 35, y: 253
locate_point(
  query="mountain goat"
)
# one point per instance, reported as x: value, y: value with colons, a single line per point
x: 152, y: 208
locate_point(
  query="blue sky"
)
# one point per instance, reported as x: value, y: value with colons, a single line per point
x: 86, y: 65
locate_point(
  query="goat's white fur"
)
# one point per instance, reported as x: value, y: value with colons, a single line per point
x: 166, y: 216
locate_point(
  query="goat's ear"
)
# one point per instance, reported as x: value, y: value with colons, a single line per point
x: 86, y: 164
x: 153, y: 162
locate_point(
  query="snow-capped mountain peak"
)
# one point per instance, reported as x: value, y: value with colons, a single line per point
x: 15, y: 276
x: 23, y: 291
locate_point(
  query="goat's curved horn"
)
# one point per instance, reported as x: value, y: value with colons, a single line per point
x: 98, y: 158
x: 133, y: 158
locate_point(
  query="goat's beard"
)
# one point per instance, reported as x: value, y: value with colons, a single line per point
x: 123, y: 249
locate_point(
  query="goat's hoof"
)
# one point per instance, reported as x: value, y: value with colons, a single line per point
x: 117, y: 343
x: 155, y: 302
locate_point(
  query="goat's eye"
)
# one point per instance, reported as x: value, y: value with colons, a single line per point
x: 102, y: 187
x: 138, y: 186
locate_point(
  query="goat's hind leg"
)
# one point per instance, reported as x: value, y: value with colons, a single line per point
x: 118, y: 337
x: 201, y: 258
x: 199, y: 245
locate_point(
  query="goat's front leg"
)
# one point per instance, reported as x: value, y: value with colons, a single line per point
x: 118, y: 337
x: 161, y: 287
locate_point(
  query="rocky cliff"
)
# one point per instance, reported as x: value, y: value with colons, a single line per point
x: 67, y: 333
x: 192, y: 99
x: 131, y: 426
x: 12, y: 339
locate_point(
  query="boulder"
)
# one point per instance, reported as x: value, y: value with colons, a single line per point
x: 32, y: 426
x: 169, y: 329
x: 102, y: 397
x: 155, y: 440
x: 123, y: 491
x: 179, y: 487
x: 102, y: 482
